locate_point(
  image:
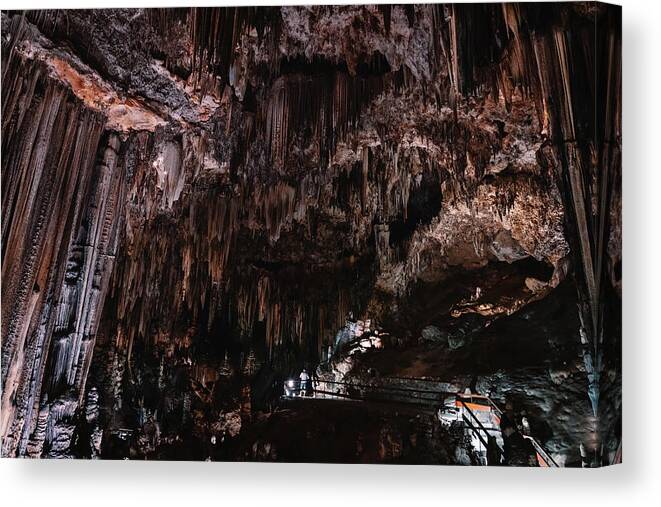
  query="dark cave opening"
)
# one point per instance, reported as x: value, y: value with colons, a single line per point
x: 424, y: 204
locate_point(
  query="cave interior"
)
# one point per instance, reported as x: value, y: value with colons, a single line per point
x: 402, y: 200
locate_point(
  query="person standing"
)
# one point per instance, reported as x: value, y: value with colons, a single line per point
x: 315, y: 380
x: 518, y: 450
x: 305, y: 381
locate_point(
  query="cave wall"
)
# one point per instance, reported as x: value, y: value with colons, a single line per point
x: 204, y: 190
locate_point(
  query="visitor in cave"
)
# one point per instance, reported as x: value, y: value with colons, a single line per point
x: 518, y: 450
x: 525, y: 425
x: 314, y: 380
x: 473, y: 385
x: 305, y: 380
x: 508, y: 417
x: 494, y: 457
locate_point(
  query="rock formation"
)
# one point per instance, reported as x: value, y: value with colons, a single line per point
x: 194, y: 201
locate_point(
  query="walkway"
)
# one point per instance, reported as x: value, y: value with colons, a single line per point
x: 426, y: 400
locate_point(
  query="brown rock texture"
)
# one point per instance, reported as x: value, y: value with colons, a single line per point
x: 195, y: 200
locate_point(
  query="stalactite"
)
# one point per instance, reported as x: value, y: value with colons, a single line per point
x: 541, y: 62
x: 328, y: 106
x: 215, y: 33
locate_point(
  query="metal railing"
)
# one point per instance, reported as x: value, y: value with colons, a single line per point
x: 368, y: 392
x: 543, y: 457
x: 478, y: 423
x: 427, y: 398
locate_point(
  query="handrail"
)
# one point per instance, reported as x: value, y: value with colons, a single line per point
x: 372, y: 398
x: 486, y: 432
x: 499, y: 412
x: 476, y: 431
x: 387, y: 388
x: 543, y: 454
x: 438, y: 395
x: 417, y: 379
x: 546, y: 457
x: 472, y: 414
